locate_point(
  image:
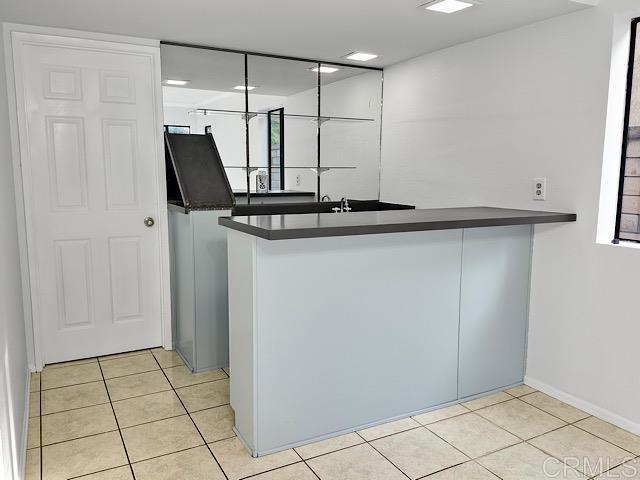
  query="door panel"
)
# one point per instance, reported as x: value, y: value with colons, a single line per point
x: 89, y: 126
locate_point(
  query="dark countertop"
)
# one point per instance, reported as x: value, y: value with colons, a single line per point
x: 311, y: 225
x: 274, y: 193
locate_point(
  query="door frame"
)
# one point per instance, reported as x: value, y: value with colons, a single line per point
x: 19, y: 147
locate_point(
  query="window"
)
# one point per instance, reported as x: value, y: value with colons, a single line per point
x: 275, y: 121
x: 628, y: 216
x: 177, y: 129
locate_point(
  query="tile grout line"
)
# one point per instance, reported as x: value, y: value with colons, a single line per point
x: 94, y: 473
x: 124, y: 376
x: 383, y: 456
x: 124, y: 445
x: 191, y: 418
x: 305, y: 462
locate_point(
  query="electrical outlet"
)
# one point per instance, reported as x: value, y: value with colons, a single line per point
x: 540, y: 188
x: 297, y: 180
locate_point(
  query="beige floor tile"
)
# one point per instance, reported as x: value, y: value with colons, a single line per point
x: 524, y: 462
x: 441, y: 414
x: 520, y: 390
x: 34, y: 405
x: 626, y: 471
x: 361, y: 462
x: 579, y: 449
x: 182, y: 377
x: 238, y: 463
x: 611, y: 433
x: 329, y: 445
x: 521, y: 419
x: 82, y: 456
x: 136, y: 385
x: 33, y: 433
x: 205, y: 395
x: 120, y: 473
x: 487, y: 400
x: 554, y: 407
x: 34, y: 384
x: 193, y: 464
x: 82, y: 361
x: 161, y: 437
x: 167, y: 358
x: 148, y: 408
x: 466, y: 471
x: 82, y: 422
x: 473, y: 435
x: 125, y: 354
x: 32, y: 465
x: 128, y: 365
x: 297, y: 471
x: 75, y: 396
x: 388, y: 429
x: 73, y: 375
x: 419, y: 452
x: 215, y: 423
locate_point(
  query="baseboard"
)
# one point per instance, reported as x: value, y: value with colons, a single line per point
x: 22, y: 454
x: 588, y: 407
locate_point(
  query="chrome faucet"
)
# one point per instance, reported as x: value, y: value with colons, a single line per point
x: 344, y: 205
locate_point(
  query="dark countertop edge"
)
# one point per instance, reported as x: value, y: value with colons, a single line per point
x: 281, y: 193
x: 182, y: 209
x: 352, y: 230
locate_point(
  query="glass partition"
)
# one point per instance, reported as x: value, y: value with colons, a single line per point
x: 308, y: 126
x: 283, y: 96
x: 350, y: 108
x: 209, y: 102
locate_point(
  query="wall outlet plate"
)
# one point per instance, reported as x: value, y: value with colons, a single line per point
x: 540, y: 188
x: 298, y: 180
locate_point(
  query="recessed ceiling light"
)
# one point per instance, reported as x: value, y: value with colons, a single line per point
x: 324, y: 69
x: 448, y: 6
x: 242, y: 87
x: 361, y: 56
x: 176, y: 82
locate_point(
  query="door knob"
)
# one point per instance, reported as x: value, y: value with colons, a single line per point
x: 149, y: 222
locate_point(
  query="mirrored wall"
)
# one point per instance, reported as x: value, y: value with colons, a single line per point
x: 309, y: 126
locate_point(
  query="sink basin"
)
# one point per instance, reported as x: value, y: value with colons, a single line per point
x: 315, y: 207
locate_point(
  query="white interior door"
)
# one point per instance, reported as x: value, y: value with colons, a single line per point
x: 89, y: 138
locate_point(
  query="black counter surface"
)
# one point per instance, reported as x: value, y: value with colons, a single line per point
x: 312, y: 225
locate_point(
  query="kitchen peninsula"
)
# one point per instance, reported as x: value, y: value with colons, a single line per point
x: 342, y: 321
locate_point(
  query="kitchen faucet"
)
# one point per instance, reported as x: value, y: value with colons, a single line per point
x: 344, y: 205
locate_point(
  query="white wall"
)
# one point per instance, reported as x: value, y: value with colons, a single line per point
x: 13, y: 355
x: 473, y: 125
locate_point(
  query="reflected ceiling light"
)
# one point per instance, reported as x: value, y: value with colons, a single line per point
x: 448, y: 6
x: 324, y: 69
x: 177, y: 82
x: 361, y: 56
x: 242, y: 87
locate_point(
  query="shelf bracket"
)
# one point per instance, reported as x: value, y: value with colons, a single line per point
x: 320, y: 121
x: 249, y: 116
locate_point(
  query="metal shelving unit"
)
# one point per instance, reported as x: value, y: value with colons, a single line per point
x: 251, y: 115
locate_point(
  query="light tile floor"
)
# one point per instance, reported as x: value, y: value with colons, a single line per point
x: 142, y: 415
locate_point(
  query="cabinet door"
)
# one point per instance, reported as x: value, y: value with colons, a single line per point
x: 493, y: 307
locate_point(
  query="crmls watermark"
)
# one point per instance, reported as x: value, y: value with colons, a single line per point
x: 554, y: 469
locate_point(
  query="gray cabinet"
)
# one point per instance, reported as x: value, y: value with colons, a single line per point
x: 493, y: 307
x: 199, y: 288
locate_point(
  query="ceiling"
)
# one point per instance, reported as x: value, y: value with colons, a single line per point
x: 326, y: 30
